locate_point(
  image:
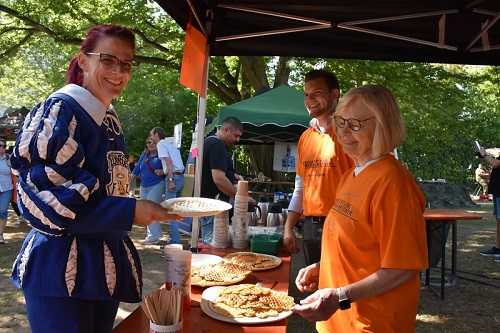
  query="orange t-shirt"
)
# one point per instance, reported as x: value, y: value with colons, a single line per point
x: 376, y: 222
x: 321, y: 164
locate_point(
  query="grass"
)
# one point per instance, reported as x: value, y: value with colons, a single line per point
x: 470, y: 306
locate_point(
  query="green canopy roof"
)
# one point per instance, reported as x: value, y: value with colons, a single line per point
x: 278, y: 115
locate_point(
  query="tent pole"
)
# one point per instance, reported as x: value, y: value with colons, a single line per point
x: 202, y: 110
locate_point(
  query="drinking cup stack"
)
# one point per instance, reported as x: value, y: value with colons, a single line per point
x: 239, y: 237
x: 220, y: 237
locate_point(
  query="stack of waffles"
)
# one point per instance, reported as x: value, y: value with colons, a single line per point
x: 248, y: 300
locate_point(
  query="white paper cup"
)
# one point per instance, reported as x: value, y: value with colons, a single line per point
x: 177, y: 328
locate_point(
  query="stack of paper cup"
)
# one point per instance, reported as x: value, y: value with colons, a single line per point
x: 220, y: 237
x: 239, y: 236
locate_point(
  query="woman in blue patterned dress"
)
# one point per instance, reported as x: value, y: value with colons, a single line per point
x: 78, y: 262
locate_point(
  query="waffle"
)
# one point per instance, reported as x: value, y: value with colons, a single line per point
x: 192, y: 206
x: 251, y: 260
x: 220, y: 274
x: 248, y: 300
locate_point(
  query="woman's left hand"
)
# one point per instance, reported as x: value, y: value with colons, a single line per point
x: 319, y: 306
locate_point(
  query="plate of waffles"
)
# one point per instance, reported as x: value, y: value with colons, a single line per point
x: 221, y: 274
x: 254, y: 261
x: 195, y: 207
x: 246, y: 304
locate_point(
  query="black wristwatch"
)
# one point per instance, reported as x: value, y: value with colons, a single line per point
x: 344, y: 302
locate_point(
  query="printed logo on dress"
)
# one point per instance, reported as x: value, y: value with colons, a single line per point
x: 119, y: 171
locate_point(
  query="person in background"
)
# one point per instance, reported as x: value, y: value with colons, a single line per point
x: 321, y: 163
x: 218, y: 177
x: 131, y: 166
x: 78, y: 262
x: 494, y: 189
x: 6, y: 187
x: 374, y: 240
x: 481, y: 177
x: 131, y: 162
x: 173, y: 168
x: 13, y: 202
x: 149, y: 169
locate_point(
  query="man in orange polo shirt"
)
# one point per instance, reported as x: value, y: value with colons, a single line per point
x: 321, y: 163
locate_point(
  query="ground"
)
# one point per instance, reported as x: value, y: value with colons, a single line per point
x: 470, y: 306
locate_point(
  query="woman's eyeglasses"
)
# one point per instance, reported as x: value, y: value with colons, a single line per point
x: 110, y: 63
x: 354, y: 124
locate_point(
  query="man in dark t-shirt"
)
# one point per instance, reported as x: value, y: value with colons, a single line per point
x: 218, y: 176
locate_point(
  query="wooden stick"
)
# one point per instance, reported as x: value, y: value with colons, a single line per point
x: 157, y: 308
x: 150, y: 305
x: 146, y: 311
x: 178, y: 303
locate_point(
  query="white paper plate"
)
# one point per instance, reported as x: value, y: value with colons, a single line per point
x: 207, y: 298
x: 210, y: 206
x: 205, y: 259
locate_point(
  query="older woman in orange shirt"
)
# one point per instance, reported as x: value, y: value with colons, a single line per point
x: 374, y: 242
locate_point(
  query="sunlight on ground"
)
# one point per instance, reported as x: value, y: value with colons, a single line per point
x: 425, y: 318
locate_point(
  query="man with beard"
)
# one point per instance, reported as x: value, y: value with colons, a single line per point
x: 321, y: 163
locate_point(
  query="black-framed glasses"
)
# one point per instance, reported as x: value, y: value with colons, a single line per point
x: 2, y: 146
x: 354, y: 124
x: 109, y: 62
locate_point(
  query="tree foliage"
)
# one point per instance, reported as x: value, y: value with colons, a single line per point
x: 445, y: 107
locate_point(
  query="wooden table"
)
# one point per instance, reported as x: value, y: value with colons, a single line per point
x: 445, y: 217
x: 195, y: 320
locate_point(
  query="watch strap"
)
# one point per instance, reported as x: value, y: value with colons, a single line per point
x: 344, y: 302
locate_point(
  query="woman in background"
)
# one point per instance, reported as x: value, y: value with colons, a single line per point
x: 6, y: 187
x: 150, y: 170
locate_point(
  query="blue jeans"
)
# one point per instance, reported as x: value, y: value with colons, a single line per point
x: 496, y: 207
x: 70, y: 314
x: 5, y: 198
x: 175, y: 236
x: 207, y: 228
x: 154, y: 193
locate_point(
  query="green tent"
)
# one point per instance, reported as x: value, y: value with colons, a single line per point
x: 278, y: 115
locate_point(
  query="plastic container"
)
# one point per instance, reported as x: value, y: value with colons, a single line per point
x: 267, y: 244
x: 181, y: 264
x: 176, y: 328
x: 168, y: 250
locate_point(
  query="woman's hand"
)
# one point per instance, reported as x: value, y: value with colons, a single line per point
x: 319, y: 306
x: 148, y: 212
x: 307, y: 279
